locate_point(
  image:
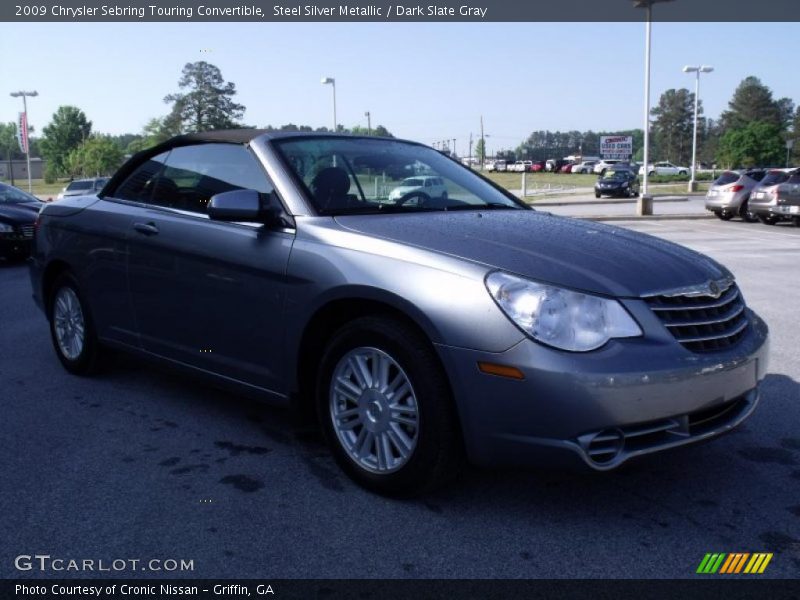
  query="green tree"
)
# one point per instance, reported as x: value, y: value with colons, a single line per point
x: 480, y: 150
x: 794, y: 136
x: 206, y: 100
x: 757, y: 144
x: 67, y: 129
x: 155, y: 131
x: 379, y: 131
x: 95, y: 157
x: 753, y: 101
x: 674, y: 124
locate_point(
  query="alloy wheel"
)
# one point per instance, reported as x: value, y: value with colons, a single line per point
x: 374, y: 410
x: 69, y: 323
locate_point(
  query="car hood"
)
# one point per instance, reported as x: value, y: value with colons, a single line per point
x: 581, y: 255
x: 22, y: 213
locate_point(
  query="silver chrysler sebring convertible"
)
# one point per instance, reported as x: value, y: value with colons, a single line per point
x: 421, y: 329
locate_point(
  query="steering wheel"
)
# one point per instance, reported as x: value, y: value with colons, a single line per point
x: 421, y: 198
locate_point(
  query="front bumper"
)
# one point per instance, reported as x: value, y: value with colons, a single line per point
x: 615, y: 191
x: 601, y: 408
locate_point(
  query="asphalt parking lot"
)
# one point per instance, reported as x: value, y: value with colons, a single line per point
x: 141, y: 463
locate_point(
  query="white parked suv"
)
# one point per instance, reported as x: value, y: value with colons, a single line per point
x: 664, y: 168
x: 600, y: 168
x: 520, y: 166
x: 586, y: 166
x: 433, y: 187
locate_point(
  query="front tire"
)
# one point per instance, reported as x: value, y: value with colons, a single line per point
x: 723, y: 216
x: 385, y: 407
x: 71, y: 327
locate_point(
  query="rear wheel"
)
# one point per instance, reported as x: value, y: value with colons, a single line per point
x: 71, y: 327
x: 384, y: 404
x: 724, y: 216
x: 768, y: 219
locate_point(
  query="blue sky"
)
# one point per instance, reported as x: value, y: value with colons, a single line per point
x: 426, y: 82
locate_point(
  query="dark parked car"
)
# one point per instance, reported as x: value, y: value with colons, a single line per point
x: 729, y: 194
x: 617, y: 181
x: 18, y: 212
x: 418, y: 329
x: 777, y: 198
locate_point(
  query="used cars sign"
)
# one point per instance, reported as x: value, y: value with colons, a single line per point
x: 619, y: 147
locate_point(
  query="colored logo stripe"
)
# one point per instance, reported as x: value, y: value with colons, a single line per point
x: 710, y: 563
x: 758, y: 563
x: 734, y: 563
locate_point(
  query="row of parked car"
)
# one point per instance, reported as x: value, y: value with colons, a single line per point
x: 587, y: 166
x: 766, y: 195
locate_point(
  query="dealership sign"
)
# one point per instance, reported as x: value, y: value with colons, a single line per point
x: 618, y: 147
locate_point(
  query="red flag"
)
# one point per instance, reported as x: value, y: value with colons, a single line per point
x: 22, y: 132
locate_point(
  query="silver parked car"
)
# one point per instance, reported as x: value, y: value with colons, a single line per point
x: 778, y: 197
x: 82, y: 187
x: 729, y: 194
x: 419, y: 329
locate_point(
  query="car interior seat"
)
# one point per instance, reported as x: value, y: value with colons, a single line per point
x: 329, y: 189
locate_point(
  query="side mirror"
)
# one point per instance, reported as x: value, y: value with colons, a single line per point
x: 236, y: 205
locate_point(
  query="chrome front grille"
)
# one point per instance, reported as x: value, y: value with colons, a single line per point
x: 703, y: 322
x: 27, y: 231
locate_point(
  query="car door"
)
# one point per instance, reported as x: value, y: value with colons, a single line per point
x: 206, y: 293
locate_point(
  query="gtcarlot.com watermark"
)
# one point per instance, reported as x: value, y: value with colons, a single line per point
x: 44, y: 563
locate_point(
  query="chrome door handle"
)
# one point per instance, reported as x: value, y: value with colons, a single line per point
x: 146, y: 228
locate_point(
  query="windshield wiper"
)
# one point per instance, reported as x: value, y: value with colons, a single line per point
x: 382, y: 209
x: 488, y: 206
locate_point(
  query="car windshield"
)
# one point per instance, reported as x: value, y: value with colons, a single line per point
x: 371, y: 176
x: 11, y: 195
x: 615, y: 174
x: 774, y: 178
x: 79, y: 185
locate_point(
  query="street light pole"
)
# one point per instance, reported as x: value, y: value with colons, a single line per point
x: 369, y: 123
x: 25, y: 95
x: 332, y: 82
x: 647, y: 4
x: 696, y: 70
x: 646, y: 155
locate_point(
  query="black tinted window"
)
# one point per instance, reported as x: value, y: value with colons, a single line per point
x: 139, y: 185
x: 774, y: 178
x: 795, y: 177
x: 756, y: 175
x: 726, y: 178
x: 195, y: 173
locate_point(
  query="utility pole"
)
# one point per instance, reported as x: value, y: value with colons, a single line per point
x: 469, y: 156
x: 483, y: 145
x: 454, y: 147
x: 24, y: 134
x: 369, y: 123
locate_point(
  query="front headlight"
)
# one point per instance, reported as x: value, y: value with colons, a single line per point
x: 6, y: 228
x: 558, y: 317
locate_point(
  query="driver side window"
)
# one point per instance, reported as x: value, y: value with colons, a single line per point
x: 193, y: 174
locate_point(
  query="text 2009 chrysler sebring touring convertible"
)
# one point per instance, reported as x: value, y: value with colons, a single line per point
x: 420, y: 328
